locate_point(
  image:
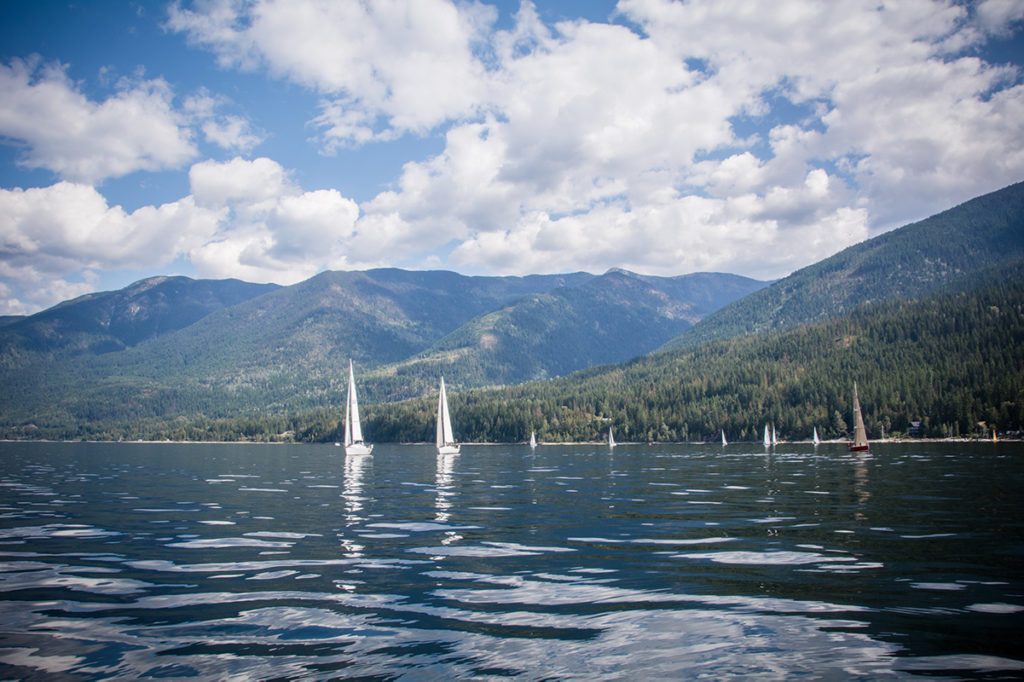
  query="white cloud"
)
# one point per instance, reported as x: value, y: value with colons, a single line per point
x: 272, y: 230
x: 243, y: 219
x: 230, y: 132
x: 85, y: 141
x: 707, y: 134
x: 50, y: 235
x: 607, y: 147
x: 383, y: 67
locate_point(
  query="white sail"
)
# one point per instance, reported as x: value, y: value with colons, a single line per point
x: 860, y: 435
x: 723, y: 437
x: 767, y: 437
x: 815, y: 436
x: 533, y: 439
x: 446, y: 444
x: 354, y: 444
x: 611, y: 438
x: 775, y: 441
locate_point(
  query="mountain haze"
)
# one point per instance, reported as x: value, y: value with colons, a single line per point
x: 610, y: 318
x: 936, y: 254
x: 114, y: 320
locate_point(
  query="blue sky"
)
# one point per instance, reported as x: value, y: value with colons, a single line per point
x: 270, y: 140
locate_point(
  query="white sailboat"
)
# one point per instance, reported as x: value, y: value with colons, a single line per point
x: 814, y: 437
x: 446, y: 444
x: 767, y: 437
x: 354, y: 444
x: 533, y: 439
x: 611, y: 438
x: 723, y: 437
x: 775, y: 441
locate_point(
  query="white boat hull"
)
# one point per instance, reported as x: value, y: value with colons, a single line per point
x: 448, y: 449
x: 358, y: 449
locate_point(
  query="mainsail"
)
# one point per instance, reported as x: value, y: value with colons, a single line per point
x: 354, y: 444
x: 860, y: 435
x: 445, y: 436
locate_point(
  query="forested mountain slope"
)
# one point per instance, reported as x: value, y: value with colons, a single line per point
x: 287, y: 349
x: 953, y: 362
x: 611, y: 318
x: 939, y: 253
x: 949, y: 361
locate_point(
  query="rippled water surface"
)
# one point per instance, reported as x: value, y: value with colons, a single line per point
x: 276, y: 561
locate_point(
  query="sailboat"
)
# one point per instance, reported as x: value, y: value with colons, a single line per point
x: 814, y: 437
x: 354, y: 444
x: 775, y: 441
x: 723, y: 437
x: 860, y: 435
x: 446, y: 444
x: 611, y: 438
x: 767, y: 437
x: 533, y: 439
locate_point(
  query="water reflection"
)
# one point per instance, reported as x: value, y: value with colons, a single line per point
x: 860, y: 484
x: 354, y: 496
x: 445, y: 494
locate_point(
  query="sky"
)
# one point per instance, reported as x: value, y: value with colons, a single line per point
x: 269, y: 140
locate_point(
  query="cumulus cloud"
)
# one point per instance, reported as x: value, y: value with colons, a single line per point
x: 411, y: 64
x: 243, y: 219
x: 677, y: 136
x: 85, y: 141
x: 50, y: 235
x: 272, y: 230
x: 723, y: 135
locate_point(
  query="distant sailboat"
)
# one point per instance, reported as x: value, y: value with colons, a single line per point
x: 446, y: 444
x: 723, y: 437
x: 533, y: 439
x: 775, y: 441
x: 354, y: 444
x: 815, y: 436
x: 611, y: 438
x: 767, y: 437
x: 860, y: 435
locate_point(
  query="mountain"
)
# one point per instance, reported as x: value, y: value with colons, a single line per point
x: 610, y: 318
x: 940, y: 253
x: 114, y: 320
x: 284, y: 350
x: 950, y: 364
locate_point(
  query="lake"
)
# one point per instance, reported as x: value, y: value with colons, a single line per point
x: 668, y: 561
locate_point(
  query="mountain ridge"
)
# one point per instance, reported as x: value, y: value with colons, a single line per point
x: 918, y: 259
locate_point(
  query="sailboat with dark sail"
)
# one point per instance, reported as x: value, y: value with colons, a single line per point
x: 860, y: 435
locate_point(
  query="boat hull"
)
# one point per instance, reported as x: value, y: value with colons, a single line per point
x: 857, y: 448
x: 358, y: 449
x: 448, y: 449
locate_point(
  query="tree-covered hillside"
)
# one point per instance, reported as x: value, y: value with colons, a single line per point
x: 953, y: 362
x: 286, y: 350
x: 611, y: 318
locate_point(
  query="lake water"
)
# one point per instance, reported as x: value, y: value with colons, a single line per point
x: 293, y: 562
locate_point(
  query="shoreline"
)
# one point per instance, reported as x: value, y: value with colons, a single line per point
x: 897, y: 441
